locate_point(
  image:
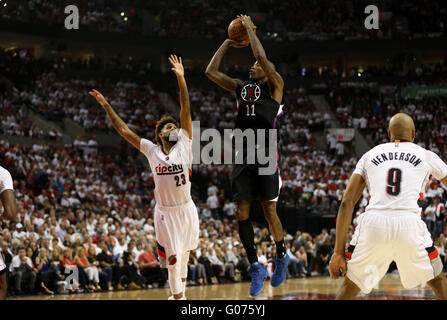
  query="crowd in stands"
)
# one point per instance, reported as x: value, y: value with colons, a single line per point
x: 285, y: 21
x: 93, y: 16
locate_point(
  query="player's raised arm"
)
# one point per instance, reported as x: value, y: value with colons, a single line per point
x: 351, y: 196
x: 212, y: 70
x: 117, y: 122
x: 185, y: 112
x: 258, y: 51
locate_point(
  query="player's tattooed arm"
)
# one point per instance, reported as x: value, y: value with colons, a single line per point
x: 212, y: 70
x: 116, y: 121
x: 259, y: 53
x: 185, y: 112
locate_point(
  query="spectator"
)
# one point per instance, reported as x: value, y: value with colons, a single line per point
x: 22, y: 272
x: 150, y: 267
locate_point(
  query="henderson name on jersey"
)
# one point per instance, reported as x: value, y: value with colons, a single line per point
x: 396, y: 173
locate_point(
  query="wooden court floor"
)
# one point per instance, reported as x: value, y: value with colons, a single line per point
x: 313, y: 288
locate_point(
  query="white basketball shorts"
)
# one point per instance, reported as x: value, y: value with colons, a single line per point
x: 383, y: 237
x: 176, y: 230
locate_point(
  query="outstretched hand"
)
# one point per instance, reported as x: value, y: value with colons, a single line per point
x: 99, y: 97
x: 177, y: 65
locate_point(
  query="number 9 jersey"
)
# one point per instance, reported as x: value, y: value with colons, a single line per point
x: 171, y: 172
x: 396, y: 173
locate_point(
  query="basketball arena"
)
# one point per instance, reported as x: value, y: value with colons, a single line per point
x: 90, y: 205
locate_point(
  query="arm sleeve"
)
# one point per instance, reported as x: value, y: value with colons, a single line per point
x: 438, y: 168
x: 360, y: 168
x: 146, y: 147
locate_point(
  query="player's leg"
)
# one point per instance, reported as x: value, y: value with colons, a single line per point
x: 439, y: 286
x: 184, y: 271
x: 243, y: 184
x: 418, y: 261
x: 3, y: 284
x: 348, y: 291
x: 281, y: 260
x: 175, y: 280
x: 269, y: 192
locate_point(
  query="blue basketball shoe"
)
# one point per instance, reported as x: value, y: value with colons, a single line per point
x: 258, y: 275
x: 280, y: 273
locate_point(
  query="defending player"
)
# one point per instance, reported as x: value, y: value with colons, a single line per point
x: 391, y: 229
x: 259, y: 106
x: 176, y: 219
x: 8, y: 200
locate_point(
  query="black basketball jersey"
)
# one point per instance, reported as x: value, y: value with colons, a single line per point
x: 257, y: 109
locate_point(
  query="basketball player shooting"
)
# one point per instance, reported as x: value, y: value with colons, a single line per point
x: 259, y: 105
x: 8, y: 200
x: 391, y: 229
x: 176, y: 218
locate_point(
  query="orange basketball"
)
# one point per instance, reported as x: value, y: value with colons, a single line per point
x: 237, y: 32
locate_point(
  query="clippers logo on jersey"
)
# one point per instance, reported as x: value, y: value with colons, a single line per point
x: 174, y: 169
x: 250, y: 92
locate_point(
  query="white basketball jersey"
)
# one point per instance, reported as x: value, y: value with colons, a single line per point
x: 5, y: 184
x: 396, y: 173
x: 171, y: 172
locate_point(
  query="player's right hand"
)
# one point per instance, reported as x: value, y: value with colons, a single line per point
x: 337, y: 262
x: 99, y: 97
x: 236, y: 44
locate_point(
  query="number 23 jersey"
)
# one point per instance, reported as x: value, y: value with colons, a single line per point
x: 396, y: 173
x: 171, y: 172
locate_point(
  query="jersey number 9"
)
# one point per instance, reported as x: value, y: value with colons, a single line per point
x: 393, y: 181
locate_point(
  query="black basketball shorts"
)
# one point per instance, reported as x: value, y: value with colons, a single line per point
x: 248, y: 184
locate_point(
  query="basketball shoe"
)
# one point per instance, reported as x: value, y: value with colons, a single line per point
x: 258, y: 275
x: 280, y: 273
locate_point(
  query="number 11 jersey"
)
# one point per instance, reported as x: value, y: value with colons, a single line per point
x: 171, y: 172
x: 257, y: 110
x: 396, y: 173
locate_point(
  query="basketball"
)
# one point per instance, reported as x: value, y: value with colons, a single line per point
x: 237, y: 32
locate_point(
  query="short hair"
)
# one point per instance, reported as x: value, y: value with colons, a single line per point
x: 160, y: 124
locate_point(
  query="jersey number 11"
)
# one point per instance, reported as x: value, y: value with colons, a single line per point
x: 252, y: 107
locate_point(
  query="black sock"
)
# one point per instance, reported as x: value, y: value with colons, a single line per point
x: 280, y: 249
x: 247, y: 236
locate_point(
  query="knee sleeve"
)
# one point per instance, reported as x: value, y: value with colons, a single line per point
x: 175, y: 280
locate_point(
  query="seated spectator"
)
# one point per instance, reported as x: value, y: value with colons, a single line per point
x: 91, y: 270
x: 323, y: 255
x: 69, y: 266
x: 129, y: 268
x: 216, y: 263
x: 301, y: 258
x: 22, y: 272
x: 47, y: 274
x: 104, y: 274
x: 106, y: 263
x: 150, y: 267
x: 196, y: 270
x: 205, y: 261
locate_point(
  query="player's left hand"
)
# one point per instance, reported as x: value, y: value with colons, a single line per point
x: 337, y: 262
x: 177, y: 65
x: 246, y: 21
